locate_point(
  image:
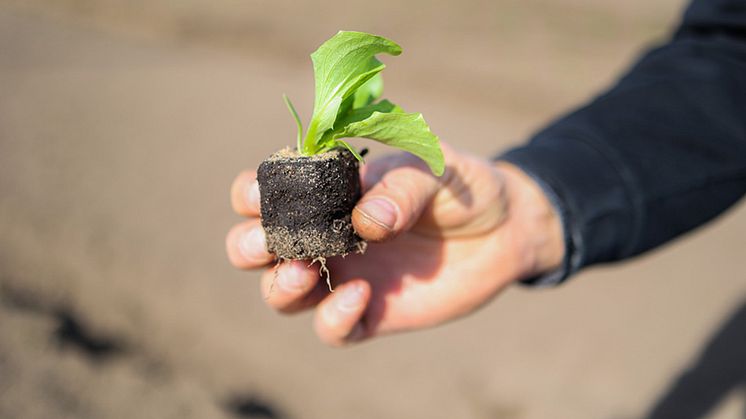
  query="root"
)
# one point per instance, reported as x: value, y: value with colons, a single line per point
x: 323, y: 271
x: 275, y: 270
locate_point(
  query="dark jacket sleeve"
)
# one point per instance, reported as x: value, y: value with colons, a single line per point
x: 660, y: 153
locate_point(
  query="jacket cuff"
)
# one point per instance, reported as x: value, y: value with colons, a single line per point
x: 589, y: 194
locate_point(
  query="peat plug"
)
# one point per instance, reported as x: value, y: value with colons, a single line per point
x: 307, y: 203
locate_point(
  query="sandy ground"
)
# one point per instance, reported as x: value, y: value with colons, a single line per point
x: 121, y: 128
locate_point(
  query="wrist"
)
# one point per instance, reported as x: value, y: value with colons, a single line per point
x: 534, y: 223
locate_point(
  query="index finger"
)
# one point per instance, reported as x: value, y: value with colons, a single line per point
x: 245, y: 194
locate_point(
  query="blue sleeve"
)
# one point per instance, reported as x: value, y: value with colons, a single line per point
x: 660, y: 153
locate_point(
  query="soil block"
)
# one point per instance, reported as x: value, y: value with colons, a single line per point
x: 307, y: 202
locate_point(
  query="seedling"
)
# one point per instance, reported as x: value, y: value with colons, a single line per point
x: 307, y: 194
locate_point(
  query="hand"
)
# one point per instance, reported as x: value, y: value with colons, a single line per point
x: 439, y: 247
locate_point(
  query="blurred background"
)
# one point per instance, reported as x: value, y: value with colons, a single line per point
x: 122, y: 125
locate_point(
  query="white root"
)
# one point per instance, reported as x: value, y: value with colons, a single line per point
x: 323, y: 271
x: 275, y: 271
x: 362, y: 246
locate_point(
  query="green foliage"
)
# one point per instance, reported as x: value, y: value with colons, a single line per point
x: 406, y: 131
x: 348, y: 86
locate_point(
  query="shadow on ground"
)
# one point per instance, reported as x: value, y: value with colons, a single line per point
x: 719, y: 370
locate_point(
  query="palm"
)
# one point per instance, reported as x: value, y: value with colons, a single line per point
x: 441, y: 279
x: 447, y: 264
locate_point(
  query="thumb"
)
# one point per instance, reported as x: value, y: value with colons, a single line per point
x: 394, y: 203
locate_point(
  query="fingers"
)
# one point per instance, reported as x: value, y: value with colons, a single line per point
x: 338, y: 317
x: 246, y: 246
x: 396, y: 201
x: 246, y: 243
x: 245, y: 194
x: 295, y: 286
x: 292, y: 286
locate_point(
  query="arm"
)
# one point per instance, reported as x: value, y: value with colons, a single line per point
x: 660, y: 153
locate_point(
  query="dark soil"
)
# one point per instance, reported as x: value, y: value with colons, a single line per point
x: 307, y: 203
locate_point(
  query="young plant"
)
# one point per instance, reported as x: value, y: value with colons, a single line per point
x: 307, y: 195
x: 347, y: 105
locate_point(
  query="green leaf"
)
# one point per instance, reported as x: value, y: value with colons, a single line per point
x: 294, y: 113
x: 406, y: 131
x: 355, y: 115
x: 342, y: 65
x: 319, y: 125
x: 368, y: 92
x: 345, y: 107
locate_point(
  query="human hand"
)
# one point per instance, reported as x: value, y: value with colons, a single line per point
x: 439, y: 247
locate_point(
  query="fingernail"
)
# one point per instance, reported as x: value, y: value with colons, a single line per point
x: 252, y: 245
x: 351, y: 299
x: 292, y: 277
x: 381, y: 211
x: 252, y: 193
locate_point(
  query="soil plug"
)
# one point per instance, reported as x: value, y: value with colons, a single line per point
x: 307, y: 203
